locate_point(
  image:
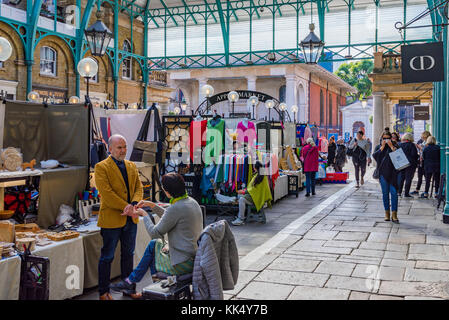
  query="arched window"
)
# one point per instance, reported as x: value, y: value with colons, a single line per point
x: 48, y: 61
x: 321, y: 107
x: 127, y: 63
x: 282, y: 91
x: 330, y: 109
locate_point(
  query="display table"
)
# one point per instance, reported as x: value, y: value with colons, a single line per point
x: 281, y: 187
x: 10, y: 278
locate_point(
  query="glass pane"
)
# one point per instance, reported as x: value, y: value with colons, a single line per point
x: 196, y: 39
x: 156, y: 42
x: 239, y: 35
x: 175, y: 41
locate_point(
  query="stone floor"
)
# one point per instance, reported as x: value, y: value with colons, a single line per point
x: 345, y: 250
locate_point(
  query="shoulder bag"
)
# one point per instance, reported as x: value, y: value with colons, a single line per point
x: 98, y: 147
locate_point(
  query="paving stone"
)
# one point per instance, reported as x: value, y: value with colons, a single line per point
x: 395, y: 255
x: 380, y: 273
x: 360, y: 259
x: 378, y: 237
x: 262, y: 263
x: 266, y: 291
x: 358, y: 229
x: 383, y: 297
x: 342, y: 244
x: 355, y: 295
x: 357, y: 223
x: 357, y: 236
x: 373, y: 245
x: 311, y: 256
x: 421, y: 298
x: 308, y: 243
x: 302, y: 230
x: 333, y: 250
x: 420, y: 289
x: 311, y: 293
x: 406, y: 238
x: 431, y: 239
x: 333, y: 216
x: 426, y: 248
x: 349, y: 283
x: 294, y: 264
x: 397, y: 263
x: 322, y: 226
x: 334, y: 267
x: 368, y: 253
x: 430, y: 257
x: 320, y: 235
x: 291, y: 240
x: 425, y: 275
x: 397, y: 247
x: 244, y: 278
x: 432, y: 265
x: 293, y: 278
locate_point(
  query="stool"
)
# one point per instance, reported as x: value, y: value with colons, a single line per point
x: 257, y: 216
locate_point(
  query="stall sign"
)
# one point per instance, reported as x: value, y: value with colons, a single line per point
x: 421, y: 113
x: 422, y: 62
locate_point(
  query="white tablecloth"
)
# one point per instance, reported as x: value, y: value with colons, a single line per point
x: 281, y: 187
x: 9, y: 278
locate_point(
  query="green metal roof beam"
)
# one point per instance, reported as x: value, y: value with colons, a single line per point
x: 233, y: 11
x: 302, y: 8
x: 257, y: 12
x: 188, y: 10
x: 224, y: 30
x: 167, y: 10
x: 208, y: 8
x: 275, y: 3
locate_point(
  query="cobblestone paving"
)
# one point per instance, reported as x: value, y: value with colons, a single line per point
x: 347, y: 251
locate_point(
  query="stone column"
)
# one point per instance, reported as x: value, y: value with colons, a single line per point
x: 387, y: 107
x: 251, y: 83
x: 201, y: 83
x: 378, y: 108
x: 291, y: 93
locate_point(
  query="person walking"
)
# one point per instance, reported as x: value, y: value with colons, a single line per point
x: 340, y: 158
x: 331, y: 151
x: 388, y: 175
x: 309, y: 156
x: 431, y: 159
x: 406, y: 175
x: 360, y: 156
x: 421, y: 144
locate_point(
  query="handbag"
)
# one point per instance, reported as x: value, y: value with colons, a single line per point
x: 349, y: 151
x: 151, y: 152
x: 399, y: 159
x: 98, y: 148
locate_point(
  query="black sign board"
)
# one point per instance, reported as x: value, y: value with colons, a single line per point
x: 243, y: 94
x: 409, y: 102
x: 421, y: 113
x: 422, y: 62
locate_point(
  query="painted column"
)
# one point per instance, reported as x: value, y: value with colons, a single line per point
x: 201, y: 83
x: 445, y: 123
x: 388, y: 105
x: 291, y: 93
x: 251, y: 86
x: 378, y: 107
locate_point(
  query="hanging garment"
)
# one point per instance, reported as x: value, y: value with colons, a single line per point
x: 315, y: 134
x: 247, y: 134
x: 260, y: 193
x: 206, y: 184
x: 214, y: 140
x: 290, y: 134
x: 324, y: 143
x: 197, y: 139
x: 307, y: 134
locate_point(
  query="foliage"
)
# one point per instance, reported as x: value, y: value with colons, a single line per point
x: 371, y: 119
x: 356, y: 74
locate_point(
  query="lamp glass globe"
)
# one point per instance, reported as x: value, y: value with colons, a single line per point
x: 207, y: 90
x: 33, y: 96
x: 177, y: 110
x: 254, y: 100
x: 233, y: 96
x: 87, y: 68
x: 282, y: 106
x: 269, y: 104
x: 5, y: 49
x: 294, y: 108
x: 74, y: 99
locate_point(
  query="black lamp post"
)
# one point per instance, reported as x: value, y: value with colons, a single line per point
x: 311, y: 46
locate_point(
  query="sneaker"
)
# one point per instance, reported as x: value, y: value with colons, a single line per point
x: 361, y: 181
x: 414, y: 193
x: 307, y: 194
x: 123, y: 287
x: 238, y: 222
x: 408, y: 196
x: 424, y: 195
x: 313, y: 193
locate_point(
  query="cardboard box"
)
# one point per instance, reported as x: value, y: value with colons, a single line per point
x: 7, y: 231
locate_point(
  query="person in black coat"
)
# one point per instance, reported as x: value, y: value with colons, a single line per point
x: 431, y: 160
x: 388, y: 175
x: 331, y: 150
x: 340, y: 158
x: 421, y: 145
x: 406, y: 175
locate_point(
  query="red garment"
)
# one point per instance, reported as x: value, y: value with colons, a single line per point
x: 197, y: 137
x: 309, y: 155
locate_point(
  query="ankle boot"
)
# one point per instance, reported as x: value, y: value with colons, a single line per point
x: 387, y: 215
x: 394, y: 216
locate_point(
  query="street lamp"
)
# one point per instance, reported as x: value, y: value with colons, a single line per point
x: 5, y: 49
x: 311, y: 46
x: 133, y: 106
x: 33, y: 96
x: 207, y: 91
x: 294, y: 109
x: 74, y: 100
x: 98, y: 36
x: 177, y: 110
x: 269, y: 104
x: 233, y: 96
x: 253, y: 100
x: 183, y: 106
x: 87, y: 68
x: 282, y: 107
x: 364, y: 103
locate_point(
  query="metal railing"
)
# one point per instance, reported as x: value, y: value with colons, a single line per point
x: 158, y: 77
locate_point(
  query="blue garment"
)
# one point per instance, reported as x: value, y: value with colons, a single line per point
x: 431, y: 158
x: 388, y: 189
x: 310, y: 181
x: 208, y: 173
x: 147, y: 262
x: 127, y: 237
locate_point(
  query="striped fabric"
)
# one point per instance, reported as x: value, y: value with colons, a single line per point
x: 163, y: 264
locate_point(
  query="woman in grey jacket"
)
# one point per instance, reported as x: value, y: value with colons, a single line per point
x: 182, y: 221
x: 361, y: 152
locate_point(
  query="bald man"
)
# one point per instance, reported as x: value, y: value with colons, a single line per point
x: 118, y: 183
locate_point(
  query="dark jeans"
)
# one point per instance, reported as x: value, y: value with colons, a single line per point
x: 310, y: 181
x: 359, y: 165
x: 420, y: 175
x: 147, y: 262
x: 387, y: 190
x: 406, y: 176
x: 127, y: 237
x: 436, y: 181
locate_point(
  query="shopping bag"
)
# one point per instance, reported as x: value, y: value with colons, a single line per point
x: 399, y: 159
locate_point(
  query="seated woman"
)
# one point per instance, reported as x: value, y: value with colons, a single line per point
x: 182, y: 221
x: 257, y: 193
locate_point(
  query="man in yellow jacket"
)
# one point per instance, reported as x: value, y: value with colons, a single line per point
x: 118, y: 183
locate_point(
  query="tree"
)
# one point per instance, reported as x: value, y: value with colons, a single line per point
x: 356, y: 74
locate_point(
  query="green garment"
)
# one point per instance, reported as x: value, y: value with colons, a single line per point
x: 260, y: 193
x: 214, y: 141
x: 174, y: 200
